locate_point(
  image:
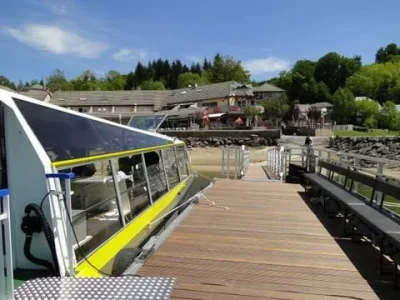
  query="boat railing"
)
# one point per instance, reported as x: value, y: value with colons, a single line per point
x: 66, y: 177
x: 6, y: 259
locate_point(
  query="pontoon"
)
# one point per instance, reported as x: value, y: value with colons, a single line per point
x: 115, y: 184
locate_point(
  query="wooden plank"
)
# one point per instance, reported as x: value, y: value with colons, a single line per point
x: 256, y: 240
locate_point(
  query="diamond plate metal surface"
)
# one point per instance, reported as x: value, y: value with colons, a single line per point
x: 106, y: 288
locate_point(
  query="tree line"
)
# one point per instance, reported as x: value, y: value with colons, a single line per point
x: 337, y: 79
x: 156, y: 75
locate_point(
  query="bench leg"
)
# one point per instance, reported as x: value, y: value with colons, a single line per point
x: 382, y: 258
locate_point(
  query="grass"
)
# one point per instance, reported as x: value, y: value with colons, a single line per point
x: 373, y: 132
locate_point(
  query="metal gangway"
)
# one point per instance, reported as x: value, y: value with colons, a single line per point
x: 235, y: 162
x: 6, y: 267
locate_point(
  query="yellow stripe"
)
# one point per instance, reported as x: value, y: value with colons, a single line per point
x: 89, y: 159
x: 109, y: 250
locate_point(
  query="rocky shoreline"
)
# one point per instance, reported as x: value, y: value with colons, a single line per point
x: 382, y: 147
x: 252, y: 141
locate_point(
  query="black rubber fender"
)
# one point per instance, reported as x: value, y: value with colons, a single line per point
x: 123, y: 260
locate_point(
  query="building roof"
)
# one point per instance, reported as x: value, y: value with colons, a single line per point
x: 157, y: 99
x: 117, y: 98
x: 267, y: 87
x: 209, y: 91
x: 35, y: 93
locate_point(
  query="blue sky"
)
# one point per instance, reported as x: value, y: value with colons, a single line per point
x: 38, y: 36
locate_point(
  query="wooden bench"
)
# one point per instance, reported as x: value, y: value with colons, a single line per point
x: 360, y: 212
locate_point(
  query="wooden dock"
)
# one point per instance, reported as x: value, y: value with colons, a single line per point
x: 261, y: 241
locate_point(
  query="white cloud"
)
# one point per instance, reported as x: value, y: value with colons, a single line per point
x: 56, y: 40
x: 130, y: 55
x: 57, y: 7
x: 266, y: 65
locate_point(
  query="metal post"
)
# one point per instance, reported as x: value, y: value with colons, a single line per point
x: 70, y: 242
x: 228, y: 162
x: 147, y: 179
x: 117, y: 192
x: 223, y: 162
x: 177, y: 164
x: 302, y: 156
x: 356, y: 165
x: 9, y: 283
x: 380, y: 174
x: 236, y: 162
x: 165, y: 169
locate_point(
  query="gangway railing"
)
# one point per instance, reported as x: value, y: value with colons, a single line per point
x: 277, y: 161
x: 6, y: 259
x: 235, y: 162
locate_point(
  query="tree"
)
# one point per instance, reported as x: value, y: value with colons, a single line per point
x: 377, y: 81
x: 4, y: 81
x: 225, y: 68
x: 152, y: 85
x: 276, y: 108
x: 57, y: 81
x: 389, y: 117
x: 333, y: 70
x: 189, y: 78
x: 367, y: 110
x: 390, y: 53
x: 251, y: 113
x: 343, y: 106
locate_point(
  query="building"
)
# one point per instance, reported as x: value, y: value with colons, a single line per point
x: 228, y: 98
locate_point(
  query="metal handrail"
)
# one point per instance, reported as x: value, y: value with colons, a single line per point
x: 6, y: 283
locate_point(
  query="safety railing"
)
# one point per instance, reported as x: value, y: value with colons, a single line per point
x: 235, y: 162
x: 277, y: 162
x: 6, y: 265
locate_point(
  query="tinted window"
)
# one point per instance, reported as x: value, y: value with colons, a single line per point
x: 181, y: 161
x: 155, y: 171
x: 171, y: 167
x: 132, y: 185
x: 67, y: 136
x: 94, y: 206
x: 149, y: 122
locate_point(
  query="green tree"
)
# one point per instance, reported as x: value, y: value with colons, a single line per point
x: 370, y: 122
x: 367, y: 110
x: 275, y: 109
x: 226, y: 68
x: 343, y: 106
x: 333, y: 70
x: 390, y: 53
x: 190, y: 78
x: 389, y: 117
x: 377, y: 81
x: 152, y: 85
x: 251, y: 113
x: 57, y: 81
x: 4, y: 81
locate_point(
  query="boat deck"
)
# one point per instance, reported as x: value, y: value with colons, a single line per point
x: 259, y: 240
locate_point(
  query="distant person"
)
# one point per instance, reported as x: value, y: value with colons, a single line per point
x: 308, y: 141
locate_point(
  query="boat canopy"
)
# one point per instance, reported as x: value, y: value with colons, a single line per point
x: 66, y: 135
x: 147, y: 122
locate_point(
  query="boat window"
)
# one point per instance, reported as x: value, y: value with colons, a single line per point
x: 94, y: 206
x: 181, y: 161
x: 67, y: 136
x: 132, y: 185
x: 171, y: 167
x: 155, y: 172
